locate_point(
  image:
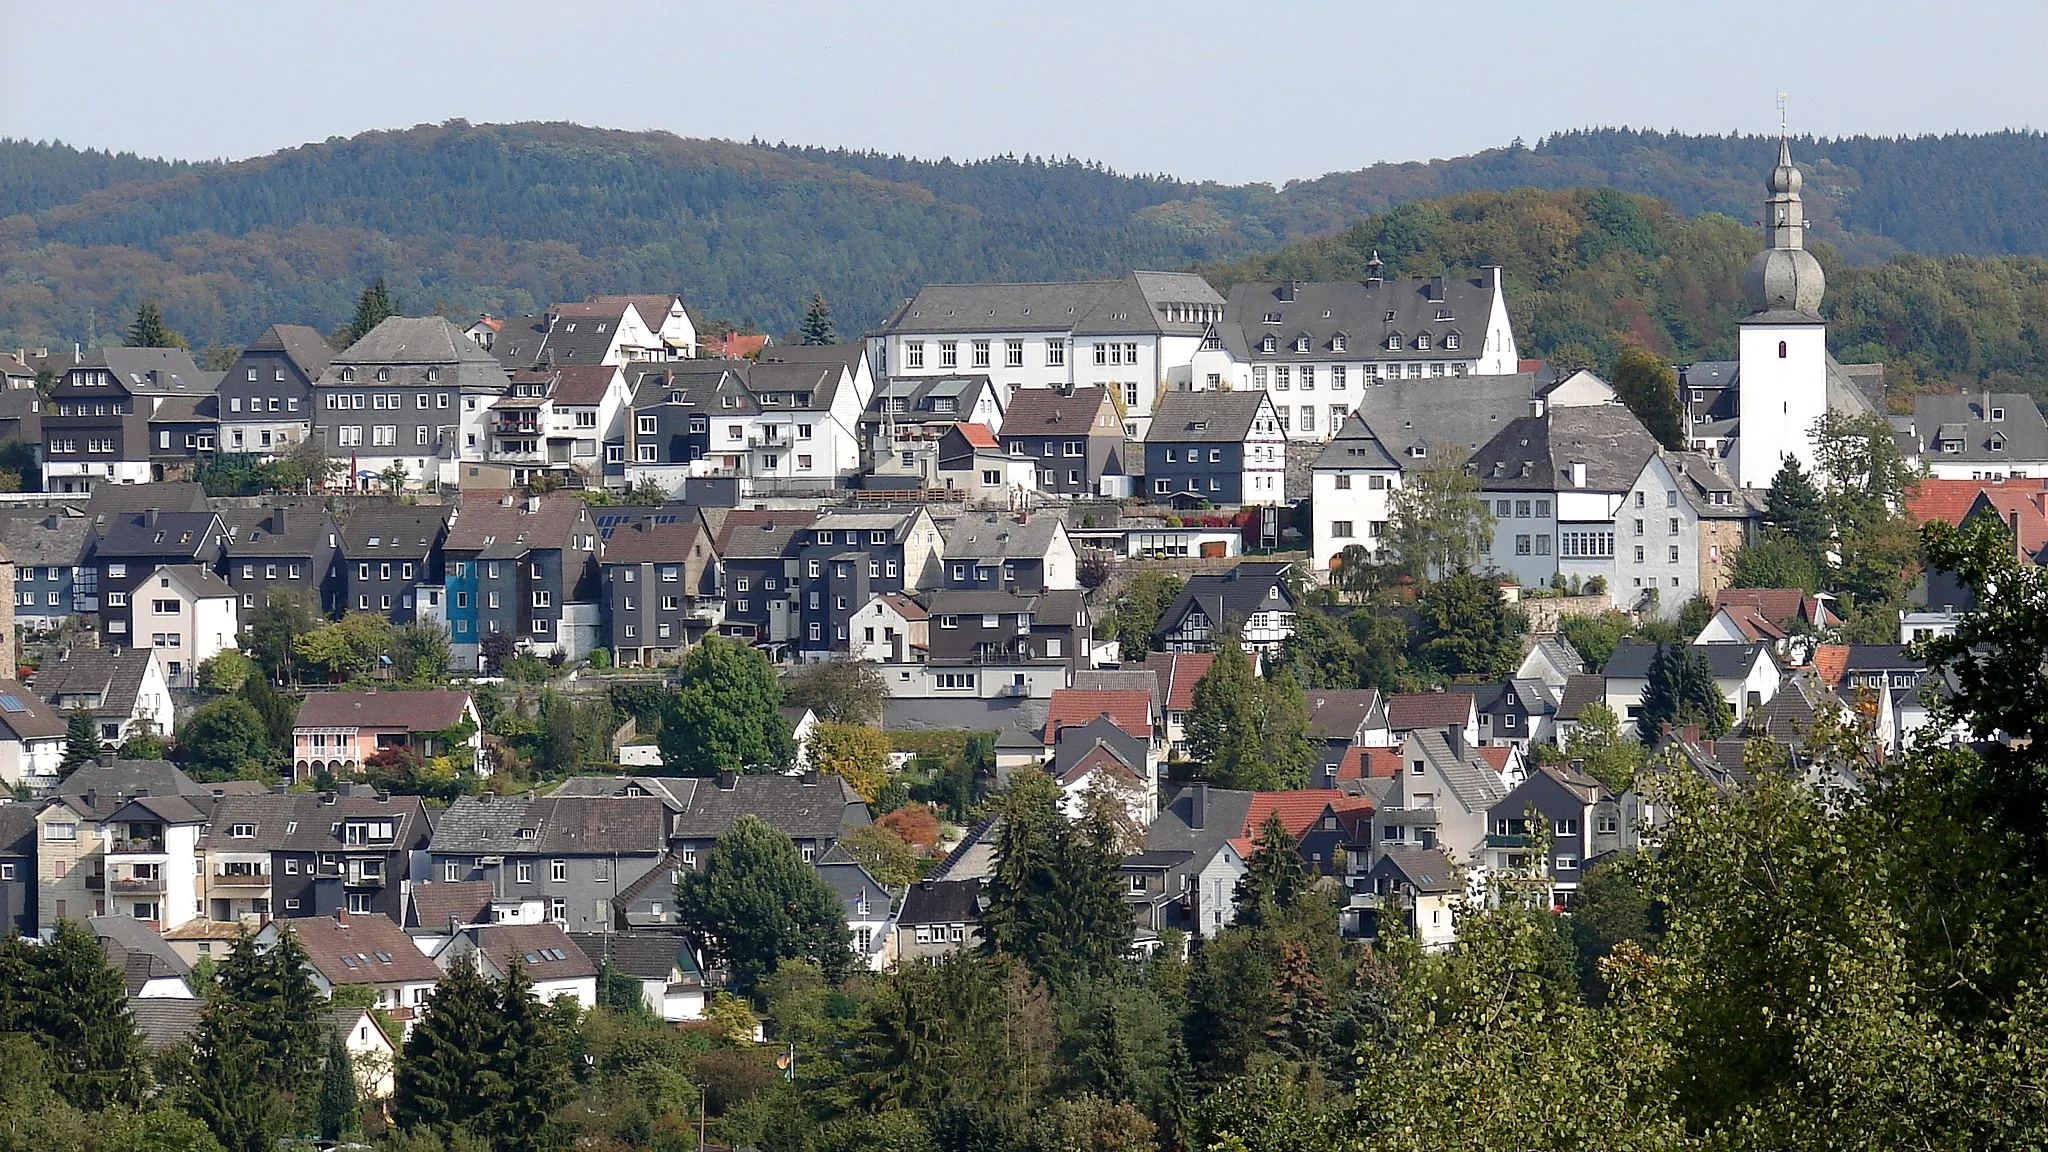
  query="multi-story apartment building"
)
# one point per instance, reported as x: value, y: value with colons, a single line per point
x: 312, y: 854
x: 758, y: 549
x: 1074, y: 436
x: 845, y: 558
x: 287, y: 549
x: 573, y: 854
x: 400, y: 397
x: 124, y: 689
x: 47, y: 546
x: 389, y: 561
x: 188, y: 614
x: 1554, y: 483
x: 96, y: 425
x: 1135, y: 337
x: 523, y: 565
x: 663, y: 586
x: 995, y: 643
x: 1351, y: 494
x: 1011, y: 553
x: 560, y: 419
x: 130, y: 546
x: 670, y: 436
x: 1316, y: 346
x: 1221, y: 448
x: 266, y: 398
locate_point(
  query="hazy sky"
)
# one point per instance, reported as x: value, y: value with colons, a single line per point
x: 1259, y: 90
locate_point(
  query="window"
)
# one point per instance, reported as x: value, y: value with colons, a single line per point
x: 1055, y: 352
x: 1013, y: 353
x: 1340, y: 529
x: 558, y: 870
x: 60, y: 830
x: 1522, y: 545
x: 981, y: 354
x: 1567, y: 863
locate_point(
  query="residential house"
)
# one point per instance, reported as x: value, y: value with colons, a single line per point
x: 1551, y: 659
x: 891, y: 629
x: 1010, y: 553
x: 124, y: 689
x: 1194, y: 855
x: 990, y: 644
x: 758, y: 549
x: 18, y: 893
x: 47, y: 547
x: 907, y: 418
x: 574, y: 853
x: 336, y: 732
x: 1768, y: 615
x: 867, y: 903
x: 373, y: 1055
x: 187, y: 614
x: 605, y: 330
x: 150, y: 970
x: 32, y: 739
x: 1419, y: 886
x: 1137, y: 335
x: 969, y: 459
x: 1578, y: 691
x: 1746, y: 673
x: 662, y: 587
x: 1343, y: 719
x: 671, y: 985
x: 845, y: 558
x: 814, y: 810
x: 557, y: 967
x: 670, y: 431
x: 363, y: 951
x: 1252, y: 597
x: 561, y: 420
x: 396, y: 401
x: 1583, y: 821
x: 74, y: 830
x: 167, y: 1025
x: 1315, y: 346
x: 97, y: 422
x: 130, y: 546
x: 1555, y: 482
x: 1177, y: 674
x: 526, y: 566
x: 811, y: 401
x: 266, y: 398
x: 299, y: 854
x: 389, y: 563
x: 1516, y: 712
x: 1074, y: 435
x: 152, y: 870
x: 938, y: 918
x: 1978, y: 436
x: 1455, y: 715
x: 284, y: 549
x: 1351, y: 494
x: 1440, y: 799
x: 1216, y: 449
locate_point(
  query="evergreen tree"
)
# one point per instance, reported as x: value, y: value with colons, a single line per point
x: 373, y: 307
x: 282, y: 1020
x: 526, y: 1071
x: 340, y: 1105
x: 1053, y: 903
x: 723, y: 716
x: 441, y: 1074
x: 149, y: 330
x: 228, y: 1086
x: 1680, y: 690
x: 1274, y: 878
x: 1465, y: 629
x: 1793, y: 507
x: 1222, y: 725
x: 1649, y: 388
x: 78, y: 1011
x: 1283, y: 729
x: 818, y: 323
x: 756, y: 903
x: 81, y: 741
x: 1301, y: 1009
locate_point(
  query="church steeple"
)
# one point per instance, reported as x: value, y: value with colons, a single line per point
x: 1784, y: 276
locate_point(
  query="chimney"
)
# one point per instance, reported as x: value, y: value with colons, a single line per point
x: 1455, y: 737
x: 149, y: 518
x: 1375, y: 269
x: 106, y: 756
x: 1984, y: 406
x: 277, y: 521
x: 1198, y: 806
x: 1536, y: 407
x: 810, y: 779
x: 1578, y: 473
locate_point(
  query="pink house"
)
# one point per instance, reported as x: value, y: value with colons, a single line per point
x: 336, y: 731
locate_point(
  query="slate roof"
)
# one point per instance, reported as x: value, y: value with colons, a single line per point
x: 172, y: 533
x: 54, y: 538
x: 1232, y: 595
x: 815, y: 806
x: 1002, y: 537
x: 1580, y: 690
x: 1559, y: 652
x: 302, y: 345
x: 1880, y: 658
x: 1358, y: 310
x: 920, y: 396
x: 1130, y: 678
x: 1426, y: 870
x: 1125, y: 306
x: 554, y: 825
x: 1966, y: 418
x: 409, y: 346
x: 1129, y: 711
x: 110, y: 501
x: 256, y: 531
x: 1537, y: 453
x: 110, y: 785
x: 1787, y: 717
x: 17, y: 829
x: 139, y: 954
x: 941, y: 902
x: 370, y: 531
x: 545, y: 949
x: 760, y: 534
x: 1409, y: 414
x: 369, y: 949
x: 1337, y: 714
x: 1224, y: 417
x: 676, y: 542
x: 785, y: 375
x: 1476, y: 783
x: 1052, y: 412
x: 310, y: 822
x: 174, y: 371
x: 1223, y: 818
x: 492, y: 529
x: 165, y: 1022
x: 25, y: 716
x: 113, y: 676
x: 434, y: 906
x: 1631, y: 659
x: 641, y: 955
x: 1059, y: 606
x: 429, y: 710
x: 1103, y: 758
x: 1409, y: 710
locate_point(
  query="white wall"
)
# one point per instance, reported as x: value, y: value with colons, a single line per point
x: 1779, y: 398
x: 1362, y: 504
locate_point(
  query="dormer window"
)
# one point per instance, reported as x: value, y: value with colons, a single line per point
x: 1422, y: 342
x: 1394, y: 342
x: 1338, y: 343
x: 1443, y: 313
x: 1451, y: 342
x: 433, y: 374
x: 1301, y: 343
x: 348, y: 375
x: 1267, y: 345
x: 1998, y: 443
x: 383, y: 375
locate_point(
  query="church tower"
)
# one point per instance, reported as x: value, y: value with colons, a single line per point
x: 1782, y: 382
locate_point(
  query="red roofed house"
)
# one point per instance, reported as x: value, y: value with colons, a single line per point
x: 969, y: 458
x: 1178, y: 672
x: 737, y: 346
x: 362, y: 950
x: 336, y: 731
x: 1104, y: 738
x: 890, y: 629
x: 553, y: 961
x: 1129, y: 710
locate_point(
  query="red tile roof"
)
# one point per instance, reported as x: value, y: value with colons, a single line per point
x: 738, y: 347
x: 428, y: 711
x: 1177, y: 672
x: 978, y: 435
x: 583, y: 383
x: 1949, y: 500
x: 1298, y: 809
x: 1780, y: 606
x: 1753, y: 624
x: 1496, y: 755
x: 1129, y: 710
x: 1428, y: 710
x: 1830, y: 661
x: 369, y: 949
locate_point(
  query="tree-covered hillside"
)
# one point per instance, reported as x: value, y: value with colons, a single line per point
x: 506, y: 218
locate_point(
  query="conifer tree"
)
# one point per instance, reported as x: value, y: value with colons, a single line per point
x: 1793, y: 506
x: 228, y: 1086
x: 283, y: 1006
x: 340, y: 1106
x: 1222, y: 730
x: 81, y: 741
x: 525, y: 1070
x: 1052, y: 901
x: 1301, y: 1012
x: 1273, y: 878
x: 373, y: 307
x: 441, y: 1073
x: 149, y: 330
x: 1283, y: 726
x: 78, y: 1011
x: 818, y: 323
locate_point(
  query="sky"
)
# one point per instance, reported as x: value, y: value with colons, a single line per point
x: 1227, y: 90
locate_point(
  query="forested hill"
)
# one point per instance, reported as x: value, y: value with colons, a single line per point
x: 507, y: 218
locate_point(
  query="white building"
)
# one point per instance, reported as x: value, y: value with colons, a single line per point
x: 188, y: 614
x: 1316, y: 347
x: 31, y: 738
x: 1978, y: 436
x: 1136, y: 336
x: 1747, y: 674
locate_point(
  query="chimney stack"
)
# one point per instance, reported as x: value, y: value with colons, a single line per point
x: 1198, y: 806
x: 277, y: 521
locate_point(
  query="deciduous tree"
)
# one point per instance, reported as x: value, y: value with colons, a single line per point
x: 724, y: 715
x: 1439, y: 524
x: 756, y: 903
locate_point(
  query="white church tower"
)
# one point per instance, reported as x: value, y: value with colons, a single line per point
x: 1783, y: 377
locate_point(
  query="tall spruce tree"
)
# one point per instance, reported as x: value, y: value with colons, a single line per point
x: 1793, y: 507
x: 526, y: 1070
x: 149, y: 330
x: 1274, y: 878
x: 442, y: 1072
x: 1052, y: 900
x: 78, y: 1011
x: 1222, y: 727
x: 283, y: 1010
x: 818, y: 328
x: 339, y: 1112
x: 81, y: 741
x: 373, y: 307
x: 228, y: 1086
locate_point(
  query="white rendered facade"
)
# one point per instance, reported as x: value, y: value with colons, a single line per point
x: 1784, y: 390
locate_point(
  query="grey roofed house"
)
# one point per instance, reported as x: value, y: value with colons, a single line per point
x: 302, y: 345
x: 1144, y: 680
x: 941, y: 902
x: 1631, y: 659
x: 309, y: 821
x: 96, y: 788
x: 1410, y: 417
x: 377, y: 529
x: 1130, y: 305
x: 814, y: 806
x: 1364, y: 313
x: 1341, y: 714
x: 166, y: 1022
x: 829, y: 357
x: 1580, y: 690
x: 641, y: 955
x: 1355, y: 446
x: 413, y: 345
x: 288, y: 527
x: 1222, y: 597
x: 1001, y: 537
x: 1205, y: 417
x: 759, y: 534
x: 104, y: 681
x: 1423, y: 871
x: 1980, y: 428
x: 45, y: 537
x: 441, y: 905
x: 1547, y: 453
x: 1712, y: 494
x: 557, y: 825
x: 930, y: 399
x: 1199, y: 819
x: 1477, y: 785
x: 674, y: 790
x: 797, y: 385
x: 140, y: 955
x: 26, y: 716
x: 159, y: 534
x: 109, y: 502
x: 1787, y: 717
x: 153, y: 371
x: 993, y: 715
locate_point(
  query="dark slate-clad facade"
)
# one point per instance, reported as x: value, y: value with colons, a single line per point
x: 266, y: 398
x: 846, y: 558
x: 574, y: 854
x: 18, y: 867
x: 521, y: 564
x: 313, y: 854
x: 758, y: 549
x: 1215, y: 448
x: 387, y: 553
x: 133, y: 545
x: 1071, y: 433
x: 96, y: 426
x: 1017, y: 553
x: 662, y: 589
x: 283, y: 549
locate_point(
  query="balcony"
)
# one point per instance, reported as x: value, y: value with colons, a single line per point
x: 96, y: 881
x: 1411, y: 817
x: 242, y: 880
x: 763, y: 439
x: 363, y: 880
x: 148, y: 885
x: 142, y: 846
x: 1506, y: 840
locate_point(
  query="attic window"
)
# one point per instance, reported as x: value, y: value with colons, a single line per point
x: 1422, y: 342
x: 383, y: 374
x: 1451, y: 342
x: 1998, y: 413
x: 1443, y: 313
x: 1198, y: 426
x: 1301, y: 343
x: 1267, y: 345
x: 1394, y: 342
x: 348, y: 375
x: 1338, y: 342
x: 1390, y: 316
x: 1272, y: 317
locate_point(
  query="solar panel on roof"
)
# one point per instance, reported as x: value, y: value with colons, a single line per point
x: 12, y: 704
